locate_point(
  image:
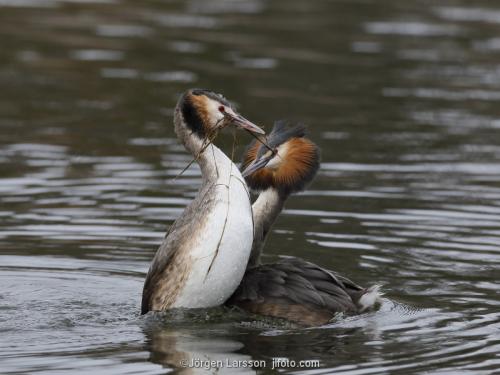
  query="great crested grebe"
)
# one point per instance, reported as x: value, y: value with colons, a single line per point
x: 292, y: 288
x: 203, y: 256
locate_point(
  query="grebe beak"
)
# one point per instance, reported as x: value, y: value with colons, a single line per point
x: 256, y: 165
x: 241, y: 122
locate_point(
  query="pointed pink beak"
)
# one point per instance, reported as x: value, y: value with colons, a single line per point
x: 241, y: 122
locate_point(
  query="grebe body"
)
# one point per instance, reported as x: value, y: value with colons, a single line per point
x: 292, y: 288
x: 203, y: 257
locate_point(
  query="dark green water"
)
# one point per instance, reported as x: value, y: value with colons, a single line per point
x: 402, y: 96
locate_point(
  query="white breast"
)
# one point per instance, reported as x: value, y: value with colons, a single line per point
x: 223, y: 246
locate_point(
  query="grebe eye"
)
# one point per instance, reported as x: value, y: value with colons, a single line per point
x: 222, y: 109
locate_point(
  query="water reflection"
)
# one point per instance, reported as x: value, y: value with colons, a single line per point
x: 401, y: 97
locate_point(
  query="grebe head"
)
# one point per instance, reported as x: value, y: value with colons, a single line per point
x: 205, y: 111
x: 287, y: 165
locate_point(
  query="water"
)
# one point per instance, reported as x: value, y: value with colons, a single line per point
x: 402, y: 97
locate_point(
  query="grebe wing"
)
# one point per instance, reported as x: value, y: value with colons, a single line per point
x: 171, y: 247
x: 297, y: 290
x: 167, y: 250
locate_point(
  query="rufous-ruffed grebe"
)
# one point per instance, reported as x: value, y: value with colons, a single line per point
x: 292, y: 288
x: 205, y: 252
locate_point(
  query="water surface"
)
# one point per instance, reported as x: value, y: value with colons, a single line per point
x: 402, y: 97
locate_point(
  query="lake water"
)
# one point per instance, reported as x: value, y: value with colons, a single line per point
x: 402, y: 96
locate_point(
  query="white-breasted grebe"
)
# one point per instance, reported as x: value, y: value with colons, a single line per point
x: 204, y: 255
x: 291, y: 288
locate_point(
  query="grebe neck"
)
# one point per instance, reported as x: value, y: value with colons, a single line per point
x: 212, y: 161
x: 266, y: 209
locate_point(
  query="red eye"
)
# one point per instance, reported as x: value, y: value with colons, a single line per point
x: 222, y: 109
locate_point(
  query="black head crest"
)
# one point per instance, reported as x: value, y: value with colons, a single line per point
x: 282, y: 131
x: 212, y: 95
